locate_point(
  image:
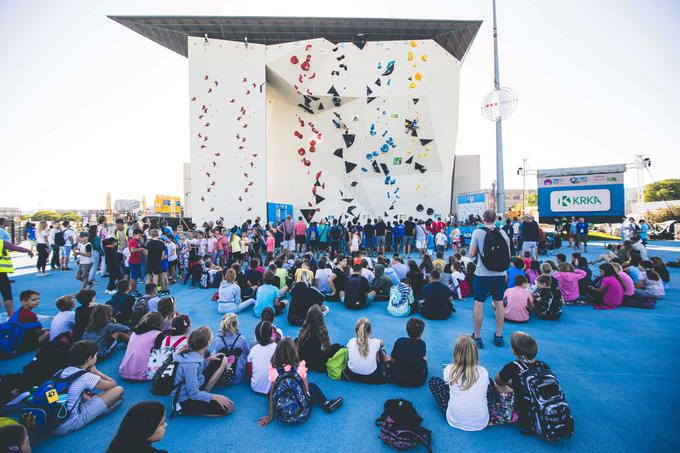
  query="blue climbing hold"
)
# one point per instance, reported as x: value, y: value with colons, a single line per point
x: 369, y: 156
x: 375, y: 153
x: 384, y: 148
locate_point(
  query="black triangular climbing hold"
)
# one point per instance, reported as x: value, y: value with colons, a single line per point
x: 306, y: 109
x: 319, y: 199
x: 409, y: 160
x: 349, y: 166
x: 369, y: 99
x: 320, y: 106
x: 378, y: 82
x: 354, y: 184
x: 308, y: 100
x: 425, y: 141
x: 415, y: 101
x: 385, y: 169
x: 337, y: 102
x: 333, y: 92
x: 420, y: 168
x: 317, y: 183
x: 414, y: 133
x: 338, y: 153
x: 368, y: 91
x: 375, y: 167
x: 385, y: 214
x: 308, y: 214
x: 348, y: 200
x: 349, y: 139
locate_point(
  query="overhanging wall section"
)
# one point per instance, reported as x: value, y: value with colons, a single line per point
x: 227, y: 90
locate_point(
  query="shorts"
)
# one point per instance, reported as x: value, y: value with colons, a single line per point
x: 408, y: 241
x: 89, y: 410
x: 136, y: 271
x: 5, y: 286
x: 300, y: 239
x: 483, y: 286
x: 380, y: 241
x: 289, y: 245
x: 83, y: 271
x: 421, y: 244
x: 154, y: 268
x: 65, y: 251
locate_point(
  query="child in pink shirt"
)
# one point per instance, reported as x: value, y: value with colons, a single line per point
x: 567, y: 279
x: 518, y: 301
x: 271, y: 242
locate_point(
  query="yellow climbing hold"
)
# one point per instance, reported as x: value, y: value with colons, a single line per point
x: 419, y: 76
x: 423, y: 57
x: 410, y: 55
x: 413, y: 43
x: 412, y: 85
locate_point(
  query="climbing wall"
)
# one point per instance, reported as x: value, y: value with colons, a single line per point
x: 227, y: 92
x: 354, y: 131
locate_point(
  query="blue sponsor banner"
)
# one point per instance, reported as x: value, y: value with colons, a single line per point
x: 471, y: 198
x: 595, y: 203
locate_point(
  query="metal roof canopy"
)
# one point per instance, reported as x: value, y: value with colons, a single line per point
x: 172, y: 31
x: 577, y: 171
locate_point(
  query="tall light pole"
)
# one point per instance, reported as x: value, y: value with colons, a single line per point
x: 524, y: 184
x: 497, y: 106
x: 500, y: 182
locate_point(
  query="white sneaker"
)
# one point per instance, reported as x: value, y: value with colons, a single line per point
x: 109, y: 292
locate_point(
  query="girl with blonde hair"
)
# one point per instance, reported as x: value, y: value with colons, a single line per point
x: 196, y: 376
x: 231, y: 342
x: 229, y: 295
x: 367, y: 361
x: 461, y: 394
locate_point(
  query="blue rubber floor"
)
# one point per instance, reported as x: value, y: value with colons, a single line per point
x: 617, y: 369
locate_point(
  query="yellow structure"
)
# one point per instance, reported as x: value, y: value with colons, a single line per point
x: 165, y: 204
x: 109, y: 211
x: 144, y: 211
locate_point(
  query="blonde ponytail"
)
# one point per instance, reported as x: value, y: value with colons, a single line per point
x: 363, y: 331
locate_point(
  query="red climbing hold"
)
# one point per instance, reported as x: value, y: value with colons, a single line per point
x: 312, y: 76
x: 294, y: 59
x: 307, y: 47
x: 312, y: 143
x: 309, y: 57
x: 312, y: 149
x: 297, y: 134
x: 305, y: 66
x: 301, y: 151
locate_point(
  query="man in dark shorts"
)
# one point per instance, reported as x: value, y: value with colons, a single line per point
x: 156, y: 253
x: 487, y: 282
x: 409, y: 234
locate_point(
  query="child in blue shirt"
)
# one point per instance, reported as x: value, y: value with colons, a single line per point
x: 516, y: 269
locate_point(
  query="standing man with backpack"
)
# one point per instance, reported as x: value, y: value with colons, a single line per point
x: 492, y: 248
x: 56, y: 228
x: 68, y: 240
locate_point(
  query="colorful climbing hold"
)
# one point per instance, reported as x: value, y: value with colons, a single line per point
x: 412, y: 85
x: 423, y: 57
x: 419, y: 76
x: 305, y: 66
x: 410, y: 55
x: 301, y: 151
x: 413, y: 43
x: 294, y: 59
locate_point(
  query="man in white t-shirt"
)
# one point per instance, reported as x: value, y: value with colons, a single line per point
x: 83, y: 404
x: 70, y: 239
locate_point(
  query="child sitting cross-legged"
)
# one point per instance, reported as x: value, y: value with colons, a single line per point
x: 83, y: 404
x: 518, y: 300
x: 548, y: 300
x: 104, y: 331
x: 408, y: 367
x: 65, y: 319
x: 287, y: 375
x: 33, y: 336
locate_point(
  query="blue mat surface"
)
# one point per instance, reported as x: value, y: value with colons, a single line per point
x: 616, y: 367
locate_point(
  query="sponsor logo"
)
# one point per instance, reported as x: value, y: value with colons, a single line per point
x: 580, y: 200
x: 578, y: 179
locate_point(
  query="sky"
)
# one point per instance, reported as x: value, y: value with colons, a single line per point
x: 88, y: 106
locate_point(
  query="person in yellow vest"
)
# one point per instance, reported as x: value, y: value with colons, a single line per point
x: 6, y: 268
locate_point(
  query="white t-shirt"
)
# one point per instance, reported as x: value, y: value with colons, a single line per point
x: 43, y: 236
x: 85, y: 248
x: 367, y: 274
x: 467, y: 409
x: 69, y: 237
x: 172, y: 251
x: 87, y: 381
x: 360, y: 364
x: 440, y: 239
x: 321, y: 277
x: 261, y: 356
x: 62, y: 322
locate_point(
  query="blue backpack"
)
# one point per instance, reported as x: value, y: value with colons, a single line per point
x: 12, y: 334
x: 45, y: 407
x: 291, y: 402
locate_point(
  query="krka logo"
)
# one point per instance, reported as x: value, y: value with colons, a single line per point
x: 566, y: 200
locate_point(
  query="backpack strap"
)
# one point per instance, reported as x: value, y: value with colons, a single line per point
x: 181, y: 339
x: 231, y: 348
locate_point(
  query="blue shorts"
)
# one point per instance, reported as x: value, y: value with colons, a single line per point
x: 483, y: 286
x: 65, y: 251
x: 136, y: 271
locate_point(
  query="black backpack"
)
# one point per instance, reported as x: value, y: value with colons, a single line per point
x: 549, y: 304
x: 496, y: 253
x: 59, y: 239
x: 400, y: 426
x: 229, y: 351
x: 548, y: 412
x: 139, y: 309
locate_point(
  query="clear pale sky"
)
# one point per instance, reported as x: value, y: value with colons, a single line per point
x: 87, y: 106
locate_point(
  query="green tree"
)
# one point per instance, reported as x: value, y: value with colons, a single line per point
x: 666, y: 189
x: 71, y: 216
x: 46, y: 215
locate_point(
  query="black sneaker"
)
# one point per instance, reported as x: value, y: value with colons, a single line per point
x: 478, y: 340
x: 330, y: 406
